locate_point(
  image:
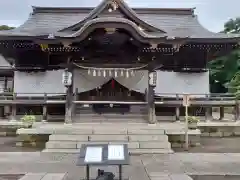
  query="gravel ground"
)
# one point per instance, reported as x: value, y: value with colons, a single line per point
x: 10, y: 177
x: 215, y: 145
x: 215, y: 177
x: 8, y: 144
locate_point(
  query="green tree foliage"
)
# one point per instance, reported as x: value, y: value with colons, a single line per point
x: 5, y: 27
x: 232, y: 26
x: 224, y: 69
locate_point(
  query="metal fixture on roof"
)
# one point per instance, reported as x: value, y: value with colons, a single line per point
x: 140, y: 28
x: 110, y: 30
x: 51, y: 36
x: 113, y: 5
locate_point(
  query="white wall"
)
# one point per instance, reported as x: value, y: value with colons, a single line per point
x: 40, y: 82
x: 3, y: 62
x: 171, y: 83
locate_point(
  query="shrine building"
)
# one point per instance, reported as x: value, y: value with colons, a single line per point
x: 110, y: 51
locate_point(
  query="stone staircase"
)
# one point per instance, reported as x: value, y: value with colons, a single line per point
x: 137, y: 114
x: 141, y: 138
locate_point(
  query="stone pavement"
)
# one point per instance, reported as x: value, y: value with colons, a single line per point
x: 143, y: 167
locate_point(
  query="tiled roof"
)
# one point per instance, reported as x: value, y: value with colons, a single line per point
x: 175, y: 22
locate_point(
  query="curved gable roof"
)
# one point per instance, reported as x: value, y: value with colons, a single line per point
x: 124, y: 8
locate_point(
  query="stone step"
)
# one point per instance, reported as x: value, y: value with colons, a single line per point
x: 131, y: 145
x: 131, y: 151
x: 44, y: 176
x: 126, y: 115
x: 107, y: 138
x: 74, y: 130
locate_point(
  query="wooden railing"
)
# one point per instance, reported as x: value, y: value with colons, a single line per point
x: 164, y: 99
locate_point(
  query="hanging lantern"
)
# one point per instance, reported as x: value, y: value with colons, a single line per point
x: 132, y: 73
x: 94, y: 72
x: 122, y: 73
x: 89, y: 71
x: 99, y: 72
x: 104, y: 73
x: 127, y: 74
x: 115, y: 73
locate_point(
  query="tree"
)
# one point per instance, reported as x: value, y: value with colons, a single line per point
x: 5, y: 27
x: 232, y: 26
x: 224, y: 69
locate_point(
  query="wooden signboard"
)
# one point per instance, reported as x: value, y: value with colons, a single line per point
x: 186, y: 101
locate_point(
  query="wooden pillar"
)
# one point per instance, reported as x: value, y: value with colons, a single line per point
x: 221, y: 113
x: 177, y: 114
x: 177, y: 110
x: 237, y: 111
x: 45, y: 108
x: 14, y: 109
x: 151, y: 104
x: 208, y: 114
x: 75, y: 99
x: 69, y: 96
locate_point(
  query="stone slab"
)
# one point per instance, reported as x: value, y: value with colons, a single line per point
x: 146, y: 131
x: 108, y: 131
x: 180, y: 177
x: 54, y: 176
x: 108, y: 138
x: 68, y: 137
x: 61, y: 145
x: 33, y: 176
x: 69, y: 151
x: 140, y: 138
x: 154, y: 145
x: 150, y: 151
x: 131, y: 145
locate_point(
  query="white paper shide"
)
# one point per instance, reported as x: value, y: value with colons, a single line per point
x: 116, y: 152
x: 93, y: 154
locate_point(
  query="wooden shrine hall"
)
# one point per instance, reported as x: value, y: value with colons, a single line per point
x: 110, y: 51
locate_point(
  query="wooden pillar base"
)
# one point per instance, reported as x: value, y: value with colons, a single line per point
x: 152, y: 116
x: 208, y: 114
x: 237, y: 112
x: 221, y: 113
x: 177, y: 116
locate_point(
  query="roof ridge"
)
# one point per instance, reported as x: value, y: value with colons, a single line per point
x: 177, y: 11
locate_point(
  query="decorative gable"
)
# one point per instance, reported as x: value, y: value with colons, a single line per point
x: 118, y: 9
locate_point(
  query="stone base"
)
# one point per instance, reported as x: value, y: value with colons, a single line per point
x: 218, y: 129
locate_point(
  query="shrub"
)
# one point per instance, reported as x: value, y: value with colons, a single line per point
x: 28, y: 119
x: 193, y: 119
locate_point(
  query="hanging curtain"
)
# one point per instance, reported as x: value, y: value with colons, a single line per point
x: 113, y: 83
x: 85, y: 82
x: 138, y: 82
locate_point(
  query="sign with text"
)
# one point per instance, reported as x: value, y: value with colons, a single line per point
x: 186, y: 100
x: 67, y: 78
x: 116, y: 152
x: 93, y: 154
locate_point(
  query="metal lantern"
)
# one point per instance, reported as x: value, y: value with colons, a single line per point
x: 153, y: 78
x: 67, y: 78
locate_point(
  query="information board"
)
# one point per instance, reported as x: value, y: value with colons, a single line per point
x: 93, y: 154
x: 116, y: 152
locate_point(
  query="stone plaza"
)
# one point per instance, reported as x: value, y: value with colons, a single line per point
x: 176, y: 166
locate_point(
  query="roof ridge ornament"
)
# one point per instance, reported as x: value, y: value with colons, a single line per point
x: 113, y: 6
x: 51, y: 36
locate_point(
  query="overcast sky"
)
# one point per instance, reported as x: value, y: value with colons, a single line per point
x: 212, y: 13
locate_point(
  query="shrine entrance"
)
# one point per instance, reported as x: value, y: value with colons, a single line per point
x: 111, y: 91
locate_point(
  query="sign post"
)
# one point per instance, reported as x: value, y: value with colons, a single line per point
x: 104, y: 155
x: 186, y: 103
